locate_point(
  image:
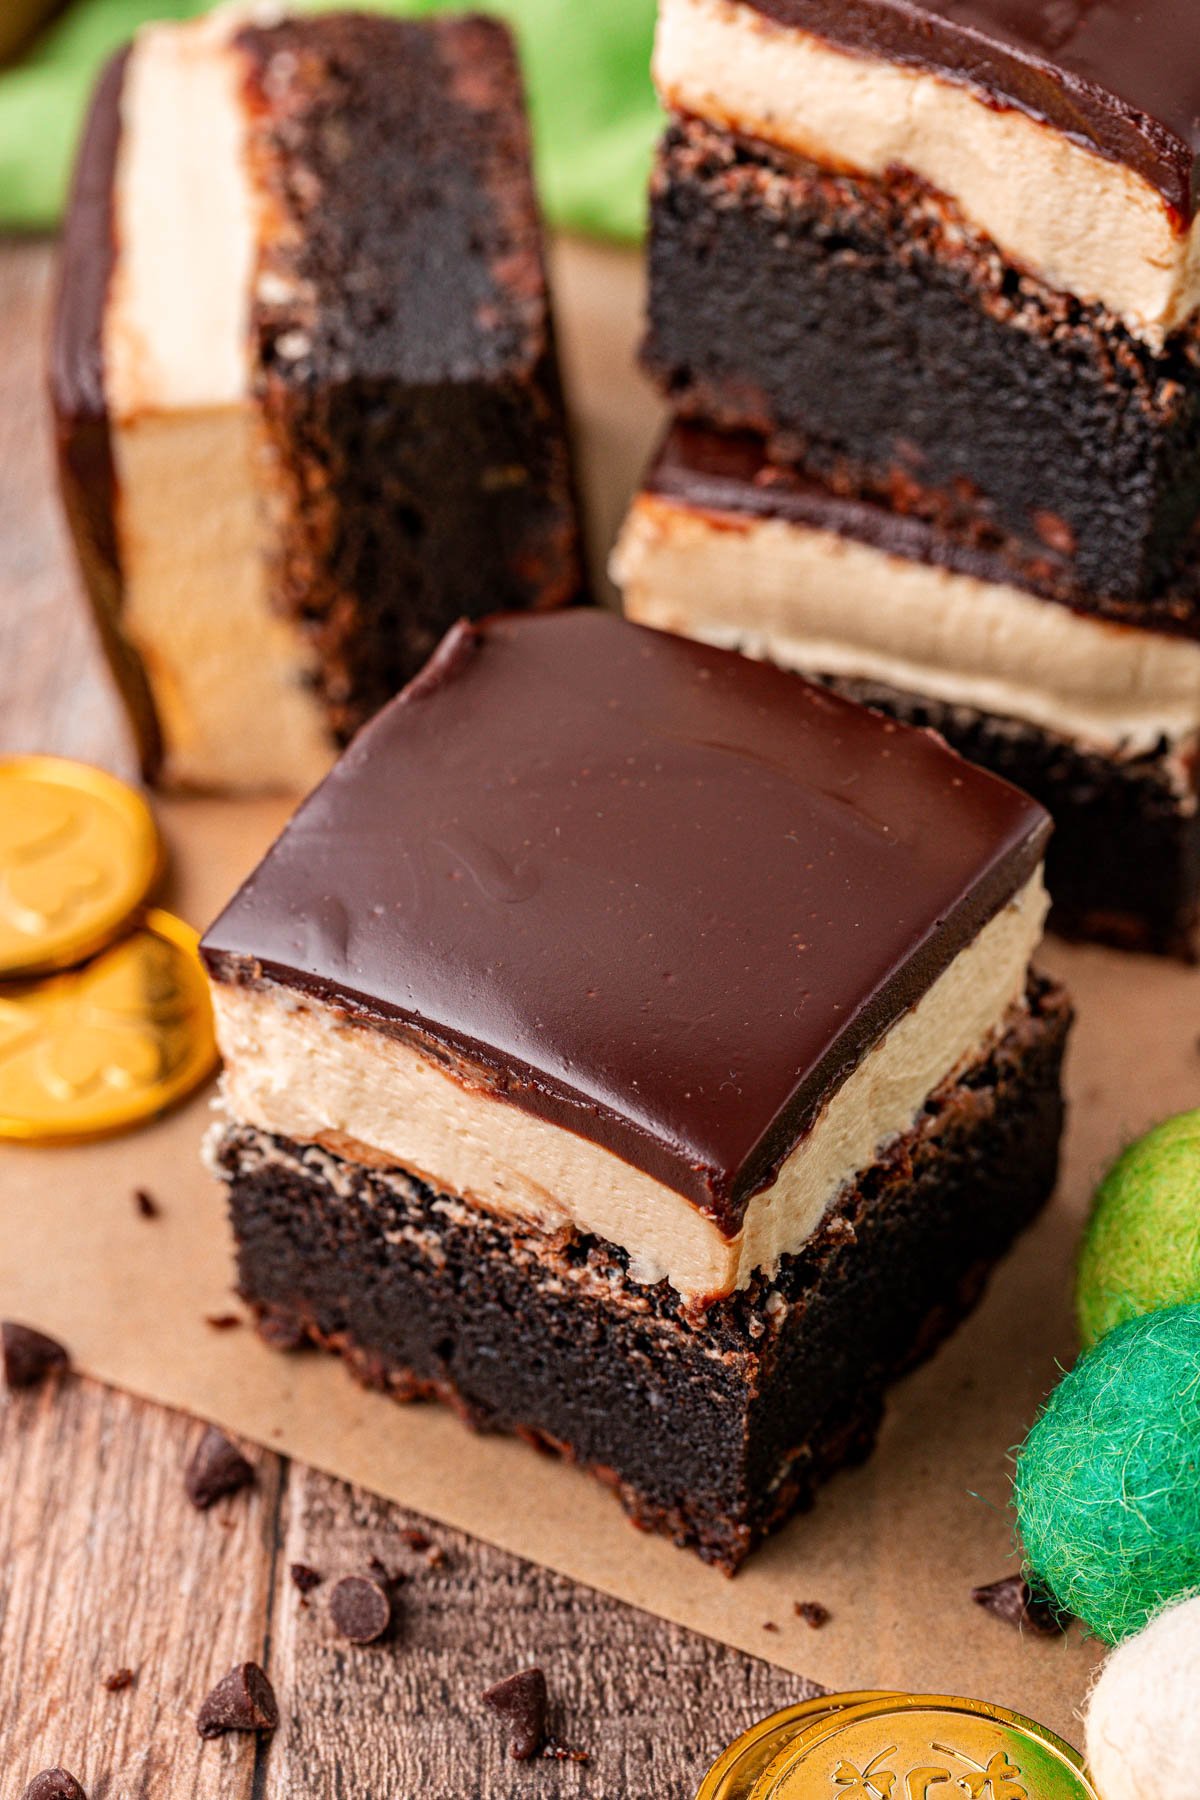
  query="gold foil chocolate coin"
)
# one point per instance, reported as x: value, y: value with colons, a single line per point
x: 79, y: 853
x: 109, y: 1045
x: 925, y: 1747
x: 733, y: 1775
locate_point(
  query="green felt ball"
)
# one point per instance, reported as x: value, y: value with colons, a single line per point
x: 1142, y: 1246
x: 1107, y: 1487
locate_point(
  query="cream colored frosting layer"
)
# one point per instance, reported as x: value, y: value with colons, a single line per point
x: 298, y: 1068
x: 810, y: 600
x: 231, y: 678
x: 1085, y: 225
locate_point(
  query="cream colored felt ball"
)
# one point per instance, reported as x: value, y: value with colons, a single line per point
x: 1143, y: 1719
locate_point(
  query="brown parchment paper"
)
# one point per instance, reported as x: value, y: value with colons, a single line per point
x: 892, y: 1549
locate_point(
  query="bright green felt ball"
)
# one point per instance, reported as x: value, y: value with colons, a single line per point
x: 1142, y: 1246
x: 1107, y: 1487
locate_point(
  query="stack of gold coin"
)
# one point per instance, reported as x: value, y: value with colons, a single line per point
x: 104, y: 1012
x: 897, y: 1747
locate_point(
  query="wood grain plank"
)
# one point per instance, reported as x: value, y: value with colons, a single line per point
x: 651, y: 1703
x: 105, y: 1564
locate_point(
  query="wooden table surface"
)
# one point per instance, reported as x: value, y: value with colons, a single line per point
x: 105, y: 1565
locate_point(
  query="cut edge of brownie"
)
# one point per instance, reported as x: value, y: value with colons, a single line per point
x: 785, y: 244
x: 406, y: 367
x: 712, y: 1425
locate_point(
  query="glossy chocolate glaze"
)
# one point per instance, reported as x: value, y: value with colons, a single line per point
x: 1120, y: 76
x: 87, y: 476
x: 656, y: 893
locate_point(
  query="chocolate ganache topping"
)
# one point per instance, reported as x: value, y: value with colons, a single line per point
x: 653, y: 892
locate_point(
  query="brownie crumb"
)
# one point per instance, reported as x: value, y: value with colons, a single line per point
x: 436, y: 1557
x: 304, y: 1578
x: 521, y: 1701
x: 243, y: 1701
x: 1013, y: 1601
x: 30, y: 1357
x: 147, y: 1205
x: 222, y: 1321
x: 54, y: 1784
x: 119, y: 1680
x: 360, y: 1608
x: 563, y: 1753
x: 813, y: 1613
x: 281, y: 1332
x: 415, y: 1539
x: 217, y: 1468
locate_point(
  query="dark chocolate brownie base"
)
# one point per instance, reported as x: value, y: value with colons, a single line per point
x: 864, y: 328
x: 711, y: 1425
x: 404, y: 346
x: 1123, y: 865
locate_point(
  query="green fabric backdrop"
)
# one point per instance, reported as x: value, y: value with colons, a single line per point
x: 586, y: 63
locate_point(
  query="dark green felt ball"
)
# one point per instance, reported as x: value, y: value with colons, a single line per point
x: 1141, y: 1250
x: 1107, y: 1487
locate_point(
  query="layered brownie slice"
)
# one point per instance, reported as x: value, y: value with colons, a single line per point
x: 951, y: 626
x: 636, y: 1047
x: 944, y: 253
x: 304, y: 376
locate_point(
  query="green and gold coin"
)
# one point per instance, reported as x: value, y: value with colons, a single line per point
x: 109, y: 1045
x: 79, y: 853
x: 733, y: 1775
x: 924, y: 1747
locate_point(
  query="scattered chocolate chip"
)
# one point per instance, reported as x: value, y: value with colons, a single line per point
x: 521, y: 1701
x: 1012, y: 1600
x: 222, y: 1321
x: 119, y: 1680
x: 770, y: 1625
x: 146, y: 1204
x: 54, y: 1784
x: 360, y: 1609
x: 415, y: 1539
x: 304, y: 1578
x: 29, y: 1358
x: 217, y: 1468
x: 281, y: 1332
x: 243, y: 1701
x: 813, y: 1613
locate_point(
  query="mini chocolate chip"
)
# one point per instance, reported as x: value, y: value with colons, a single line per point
x: 217, y: 1468
x: 1012, y: 1600
x: 360, y: 1609
x: 29, y: 1357
x: 243, y: 1701
x: 304, y: 1578
x: 770, y: 1625
x: 222, y: 1321
x: 146, y: 1204
x: 54, y: 1784
x: 521, y: 1701
x: 119, y: 1680
x: 416, y: 1539
x: 813, y: 1613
